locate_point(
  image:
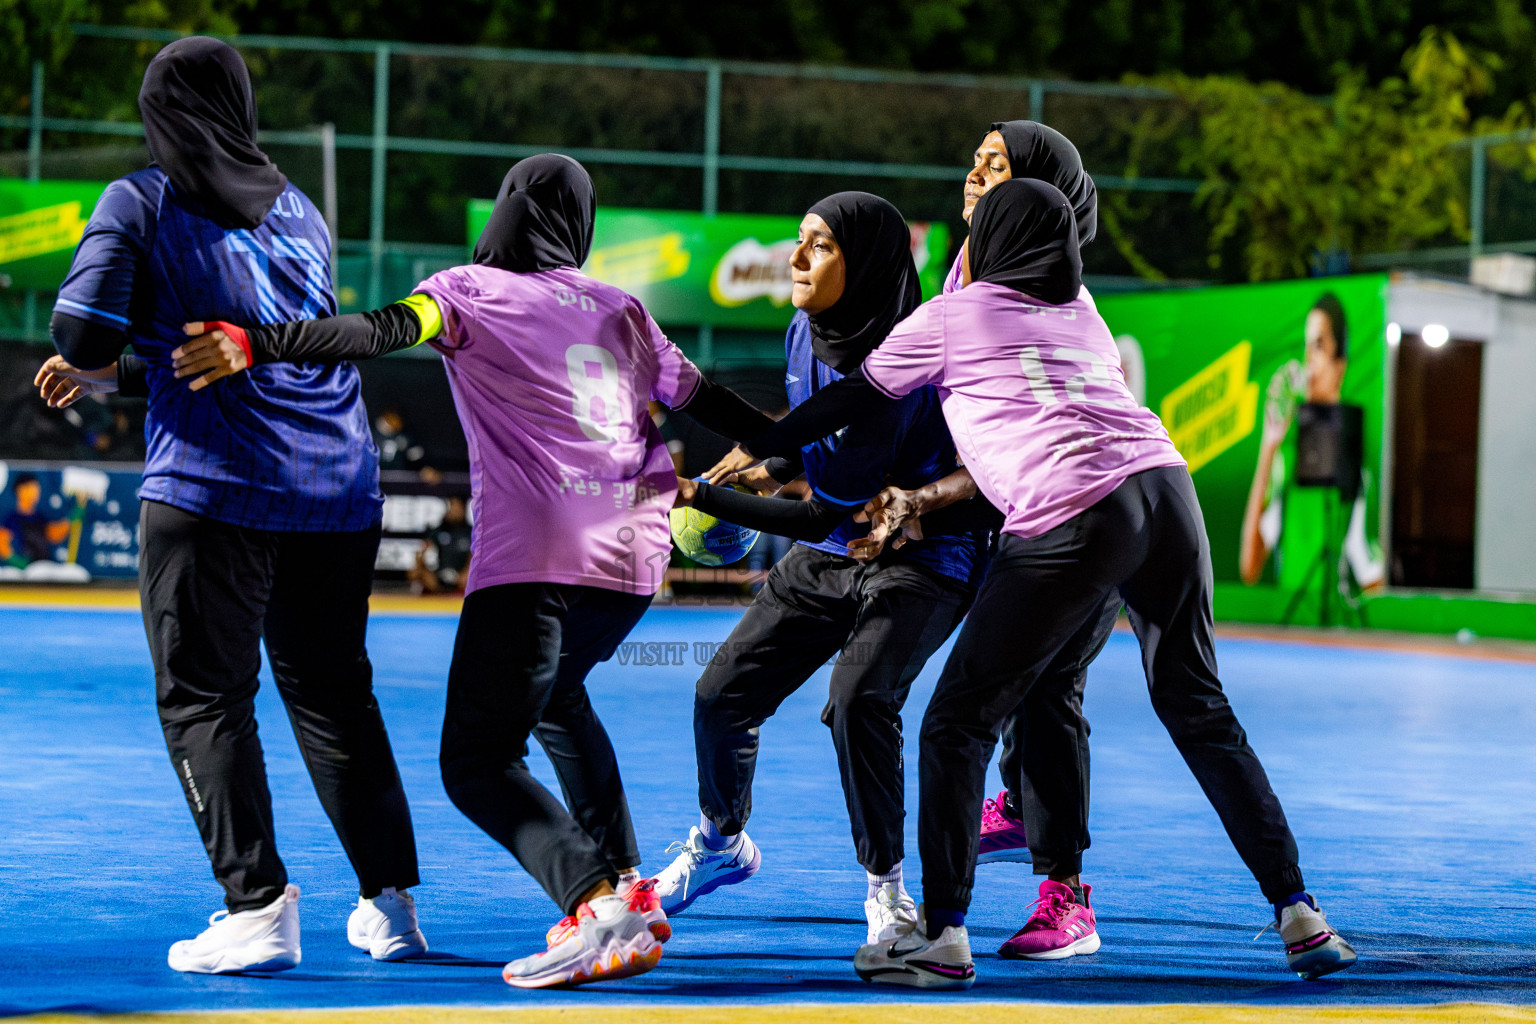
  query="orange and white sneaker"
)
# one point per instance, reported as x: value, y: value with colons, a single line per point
x: 641, y: 897
x: 605, y: 939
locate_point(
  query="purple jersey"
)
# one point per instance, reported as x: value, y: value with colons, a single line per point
x: 551, y: 373
x: 1034, y: 396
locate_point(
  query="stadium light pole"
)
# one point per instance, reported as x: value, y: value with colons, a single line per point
x: 327, y: 134
x: 376, y: 188
x: 35, y: 133
x: 711, y: 198
x: 34, y: 175
x: 1479, y: 196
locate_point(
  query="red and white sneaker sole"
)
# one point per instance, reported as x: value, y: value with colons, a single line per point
x: 1082, y: 947
x: 661, y: 928
x: 613, y: 961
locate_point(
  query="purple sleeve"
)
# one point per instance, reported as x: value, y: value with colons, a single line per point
x: 677, y: 379
x: 952, y: 279
x: 456, y: 305
x: 913, y: 354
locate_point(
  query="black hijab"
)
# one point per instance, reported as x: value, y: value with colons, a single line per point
x: 881, y: 287
x: 1024, y: 236
x: 1035, y: 151
x: 542, y: 219
x: 200, y: 122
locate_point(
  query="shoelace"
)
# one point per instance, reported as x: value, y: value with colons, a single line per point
x: 993, y: 817
x: 890, y: 902
x: 1276, y: 925
x: 695, y: 858
x: 1053, y: 908
x: 561, y: 930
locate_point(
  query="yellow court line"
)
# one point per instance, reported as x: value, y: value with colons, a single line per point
x: 22, y: 596
x: 934, y: 1012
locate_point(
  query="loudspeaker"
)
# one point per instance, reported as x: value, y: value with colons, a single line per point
x: 1329, y: 447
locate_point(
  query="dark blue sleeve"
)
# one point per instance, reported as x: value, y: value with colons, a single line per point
x: 866, y: 456
x: 110, y: 256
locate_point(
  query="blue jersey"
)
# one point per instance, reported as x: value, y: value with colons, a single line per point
x: 907, y: 445
x: 281, y: 446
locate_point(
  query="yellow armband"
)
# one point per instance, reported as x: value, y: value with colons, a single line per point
x: 427, y: 312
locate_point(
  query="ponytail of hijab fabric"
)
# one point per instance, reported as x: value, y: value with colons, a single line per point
x: 543, y: 217
x: 1043, y: 153
x: 200, y: 124
x: 1024, y: 236
x: 881, y: 287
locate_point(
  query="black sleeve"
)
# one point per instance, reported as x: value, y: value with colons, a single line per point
x: 973, y: 515
x: 336, y: 339
x: 826, y: 412
x: 132, y: 376
x: 799, y: 520
x: 85, y: 343
x: 722, y: 410
x: 785, y: 470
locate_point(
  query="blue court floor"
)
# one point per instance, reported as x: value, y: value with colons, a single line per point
x: 1408, y: 779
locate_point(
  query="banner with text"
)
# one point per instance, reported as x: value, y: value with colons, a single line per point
x: 40, y: 225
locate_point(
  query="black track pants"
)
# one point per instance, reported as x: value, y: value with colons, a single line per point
x: 886, y: 619
x: 520, y: 662
x: 209, y: 592
x: 1147, y: 540
x: 1051, y: 719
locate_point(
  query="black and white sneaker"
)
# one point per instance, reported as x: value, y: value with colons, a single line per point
x: 1312, y: 948
x: 911, y: 958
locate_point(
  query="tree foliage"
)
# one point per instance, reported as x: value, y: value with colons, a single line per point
x: 1291, y: 178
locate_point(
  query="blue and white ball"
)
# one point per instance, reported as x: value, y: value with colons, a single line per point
x: 709, y: 541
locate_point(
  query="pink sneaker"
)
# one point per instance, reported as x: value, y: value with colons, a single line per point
x: 1059, y: 927
x: 1002, y: 837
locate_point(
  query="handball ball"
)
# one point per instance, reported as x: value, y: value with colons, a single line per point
x: 709, y: 541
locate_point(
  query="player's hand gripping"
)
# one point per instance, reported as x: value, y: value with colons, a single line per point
x: 758, y: 479
x: 217, y: 350
x: 687, y: 490
x: 61, y: 384
x: 723, y: 471
x: 893, y: 513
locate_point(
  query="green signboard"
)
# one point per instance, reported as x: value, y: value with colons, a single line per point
x: 729, y: 270
x: 1226, y: 369
x: 40, y: 225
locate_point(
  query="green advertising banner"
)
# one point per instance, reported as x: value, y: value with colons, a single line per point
x: 1226, y: 369
x: 729, y: 270
x: 40, y: 225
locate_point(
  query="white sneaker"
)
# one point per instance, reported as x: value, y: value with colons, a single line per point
x: 385, y: 926
x: 699, y: 870
x: 1312, y: 947
x: 913, y: 959
x: 265, y: 939
x: 607, y: 938
x: 890, y: 911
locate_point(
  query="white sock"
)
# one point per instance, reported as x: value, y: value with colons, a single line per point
x: 628, y: 878
x: 606, y: 908
x: 876, y: 881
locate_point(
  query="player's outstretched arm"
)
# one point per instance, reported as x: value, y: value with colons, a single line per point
x: 810, y: 520
x: 829, y: 410
x: 219, y: 349
x: 722, y: 410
